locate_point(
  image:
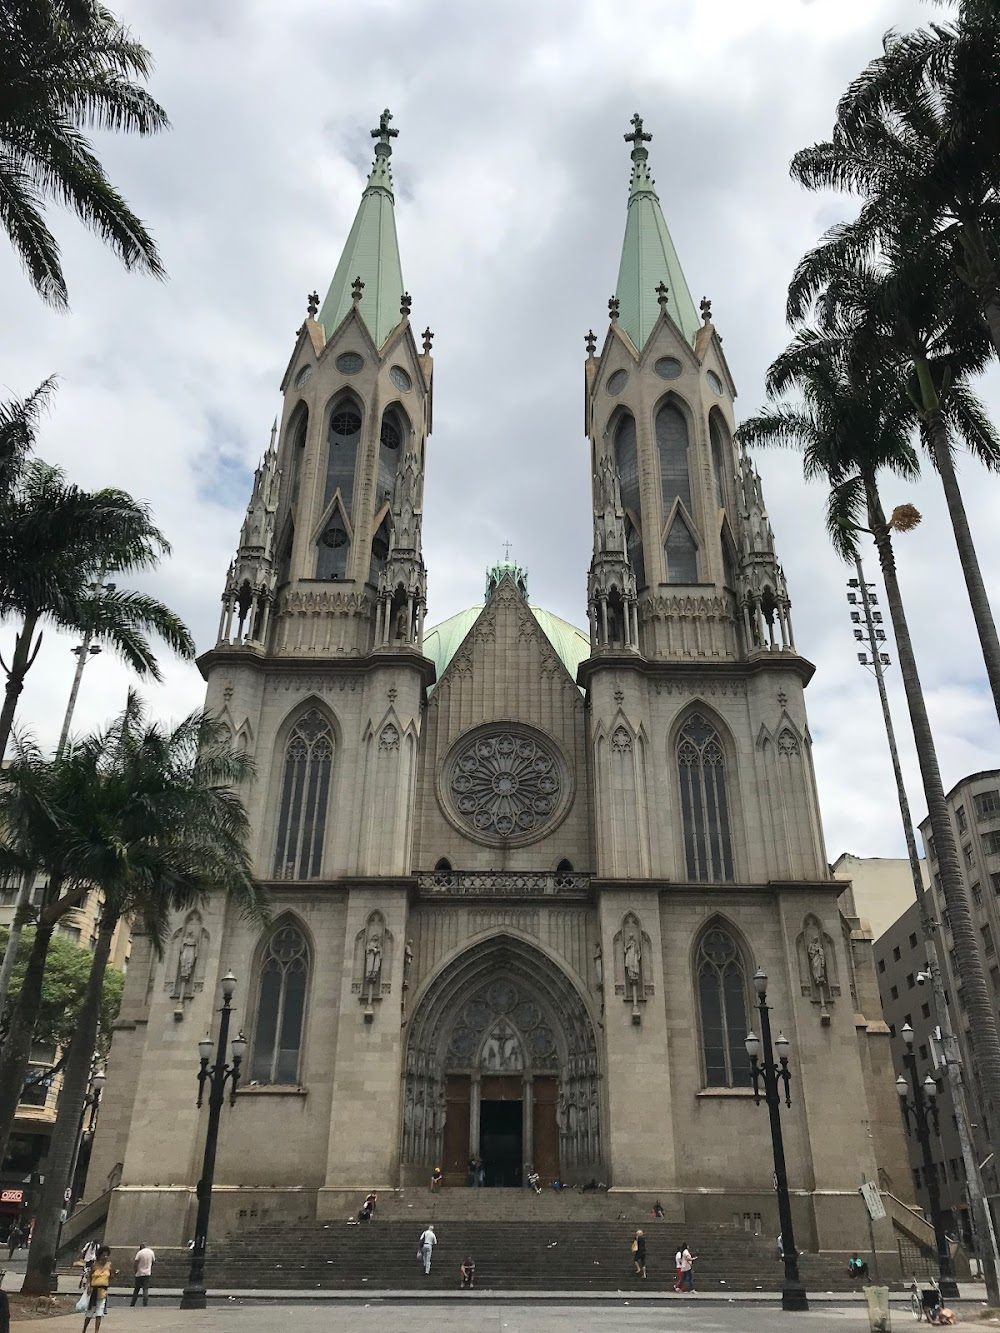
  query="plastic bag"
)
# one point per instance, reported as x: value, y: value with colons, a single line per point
x: 83, y: 1304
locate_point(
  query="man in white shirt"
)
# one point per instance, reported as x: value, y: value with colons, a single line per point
x: 144, y: 1261
x: 427, y: 1242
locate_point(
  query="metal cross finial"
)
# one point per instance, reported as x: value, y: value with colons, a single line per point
x: 312, y: 306
x: 613, y: 308
x: 357, y: 287
x: 405, y: 302
x: 506, y: 551
x: 590, y: 339
x: 662, y: 293
x: 428, y: 338
x: 384, y: 134
x: 705, y: 307
x: 638, y: 137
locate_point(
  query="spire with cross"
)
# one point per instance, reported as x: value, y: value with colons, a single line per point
x: 638, y: 137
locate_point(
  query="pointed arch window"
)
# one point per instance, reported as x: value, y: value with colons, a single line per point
x: 343, y: 439
x: 304, y: 798
x: 281, y: 1007
x: 296, y: 450
x: 701, y: 767
x: 682, y: 553
x: 333, y: 549
x: 721, y: 452
x: 722, y: 1010
x: 390, y: 443
x: 627, y: 462
x: 672, y: 452
x: 285, y: 553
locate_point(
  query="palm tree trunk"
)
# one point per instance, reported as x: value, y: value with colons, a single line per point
x: 19, y: 665
x: 62, y: 1145
x: 980, y: 272
x: 17, y: 1047
x: 984, y: 1035
x: 937, y: 431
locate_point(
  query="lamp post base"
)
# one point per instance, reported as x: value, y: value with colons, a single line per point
x: 194, y: 1297
x: 793, y: 1296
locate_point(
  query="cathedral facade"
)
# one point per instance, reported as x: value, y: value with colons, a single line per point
x: 521, y: 873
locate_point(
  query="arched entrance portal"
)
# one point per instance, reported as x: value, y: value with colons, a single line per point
x: 501, y: 1064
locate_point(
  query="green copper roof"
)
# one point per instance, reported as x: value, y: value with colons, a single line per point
x: 506, y: 567
x: 649, y: 257
x: 371, y: 252
x: 442, y: 642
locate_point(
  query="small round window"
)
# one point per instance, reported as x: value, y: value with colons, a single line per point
x: 345, y: 423
x: 618, y: 381
x: 400, y: 378
x: 668, y: 368
x: 714, y: 383
x: 334, y: 537
x: 349, y: 363
x: 303, y: 376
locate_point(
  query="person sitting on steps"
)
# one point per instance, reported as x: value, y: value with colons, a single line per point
x: 534, y: 1180
x: 468, y: 1271
x: 437, y: 1178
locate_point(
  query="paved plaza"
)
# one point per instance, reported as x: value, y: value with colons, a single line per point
x: 479, y: 1316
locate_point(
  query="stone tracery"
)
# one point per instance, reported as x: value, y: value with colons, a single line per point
x: 505, y: 784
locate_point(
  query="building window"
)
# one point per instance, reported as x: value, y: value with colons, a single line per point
x: 925, y: 1011
x: 923, y: 1052
x: 894, y: 992
x: 989, y: 948
x: 334, y: 549
x: 995, y: 979
x: 929, y: 844
x: 991, y: 844
x: 918, y: 1184
x: 881, y: 965
x: 672, y: 452
x: 281, y: 1003
x: 342, y: 452
x: 390, y: 443
x: 977, y: 894
x: 305, y: 794
x: 967, y: 853
x: 963, y: 823
x: 896, y: 954
x: 995, y: 882
x: 627, y: 462
x: 380, y: 551
x: 682, y: 553
x: 721, y: 453
x: 722, y: 1004
x: 701, y: 768
x: 945, y: 918
x: 987, y: 803
x: 913, y: 941
x: 910, y: 983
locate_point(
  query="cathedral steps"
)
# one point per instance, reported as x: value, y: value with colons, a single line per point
x: 512, y: 1256
x: 521, y: 1205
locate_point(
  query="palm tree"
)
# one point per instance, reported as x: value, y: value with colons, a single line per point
x: 907, y: 308
x: 18, y: 425
x: 57, y: 543
x: 917, y: 133
x: 67, y: 66
x: 148, y: 815
x: 854, y: 422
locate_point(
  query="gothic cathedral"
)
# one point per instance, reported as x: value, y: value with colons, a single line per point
x: 522, y: 873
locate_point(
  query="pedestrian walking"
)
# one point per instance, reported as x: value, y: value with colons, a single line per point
x: 87, y: 1255
x: 639, y: 1254
x: 144, y: 1260
x: 13, y: 1241
x: 687, y: 1268
x: 94, y: 1301
x: 426, y: 1247
x: 677, y: 1270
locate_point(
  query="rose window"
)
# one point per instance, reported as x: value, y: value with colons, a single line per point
x: 505, y: 785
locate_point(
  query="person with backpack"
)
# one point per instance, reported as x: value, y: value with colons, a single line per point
x: 426, y: 1247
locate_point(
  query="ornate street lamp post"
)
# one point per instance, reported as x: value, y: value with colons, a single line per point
x: 924, y: 1111
x: 194, y: 1295
x: 793, y: 1292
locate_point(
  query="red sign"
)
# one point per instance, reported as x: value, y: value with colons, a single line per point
x: 11, y: 1196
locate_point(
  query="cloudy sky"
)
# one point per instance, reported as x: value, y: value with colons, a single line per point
x: 511, y: 180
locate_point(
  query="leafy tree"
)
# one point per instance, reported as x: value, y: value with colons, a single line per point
x: 153, y: 820
x: 67, y: 969
x: 67, y: 66
x: 852, y: 423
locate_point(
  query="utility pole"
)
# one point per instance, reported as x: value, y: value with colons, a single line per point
x: 873, y: 637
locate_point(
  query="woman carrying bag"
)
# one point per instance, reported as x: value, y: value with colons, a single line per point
x: 93, y: 1304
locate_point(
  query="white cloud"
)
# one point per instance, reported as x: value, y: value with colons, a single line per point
x: 511, y: 182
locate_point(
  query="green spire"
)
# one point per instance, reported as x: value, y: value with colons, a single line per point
x: 505, y: 567
x: 649, y: 257
x: 371, y: 252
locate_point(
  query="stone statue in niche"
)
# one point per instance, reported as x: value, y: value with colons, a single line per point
x: 373, y: 958
x: 631, y: 950
x: 633, y: 959
x: 817, y: 966
x: 407, y: 962
x: 502, y: 1051
x: 598, y: 967
x: 187, y: 959
x: 188, y: 976
x: 372, y: 963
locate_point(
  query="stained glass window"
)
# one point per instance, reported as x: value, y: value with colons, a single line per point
x: 672, y: 451
x: 701, y: 768
x: 281, y: 1004
x: 305, y: 794
x: 342, y: 451
x: 720, y: 457
x: 722, y: 1004
x: 682, y: 554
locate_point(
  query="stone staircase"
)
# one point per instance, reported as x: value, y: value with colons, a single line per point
x: 520, y: 1242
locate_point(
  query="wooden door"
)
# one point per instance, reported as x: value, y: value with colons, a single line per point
x: 456, y: 1130
x: 545, y: 1128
